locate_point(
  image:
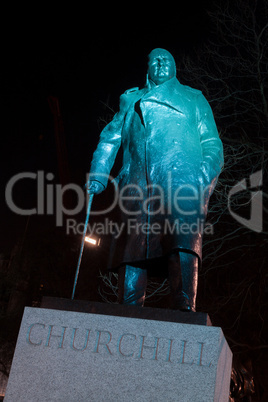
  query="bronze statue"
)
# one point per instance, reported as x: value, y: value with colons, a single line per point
x: 172, y: 156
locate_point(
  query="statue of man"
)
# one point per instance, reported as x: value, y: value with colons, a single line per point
x: 172, y: 156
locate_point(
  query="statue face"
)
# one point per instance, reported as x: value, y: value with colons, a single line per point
x: 161, y: 66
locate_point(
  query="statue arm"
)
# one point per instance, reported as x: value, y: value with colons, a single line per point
x: 108, y: 146
x: 212, y: 149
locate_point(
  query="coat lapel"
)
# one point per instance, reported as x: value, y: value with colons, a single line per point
x: 168, y: 94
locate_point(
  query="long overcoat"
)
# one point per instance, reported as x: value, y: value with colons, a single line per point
x: 172, y: 156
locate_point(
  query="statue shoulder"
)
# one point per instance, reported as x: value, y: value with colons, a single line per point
x: 129, y: 96
x: 131, y: 91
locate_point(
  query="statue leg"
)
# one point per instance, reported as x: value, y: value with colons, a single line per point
x: 132, y: 284
x: 183, y: 278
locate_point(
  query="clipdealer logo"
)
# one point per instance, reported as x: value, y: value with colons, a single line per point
x: 49, y: 198
x: 255, y: 222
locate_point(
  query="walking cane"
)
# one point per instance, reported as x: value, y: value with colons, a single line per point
x: 83, y: 243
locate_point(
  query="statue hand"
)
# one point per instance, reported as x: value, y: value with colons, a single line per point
x: 94, y: 187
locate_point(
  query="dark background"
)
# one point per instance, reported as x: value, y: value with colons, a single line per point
x: 86, y: 60
x: 86, y: 57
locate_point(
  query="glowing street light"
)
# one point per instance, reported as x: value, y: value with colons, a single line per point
x: 95, y: 242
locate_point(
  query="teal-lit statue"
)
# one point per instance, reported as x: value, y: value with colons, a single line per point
x: 172, y: 156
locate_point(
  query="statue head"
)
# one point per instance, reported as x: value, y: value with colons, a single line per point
x: 161, y: 66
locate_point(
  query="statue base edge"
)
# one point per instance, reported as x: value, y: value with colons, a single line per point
x: 121, y: 310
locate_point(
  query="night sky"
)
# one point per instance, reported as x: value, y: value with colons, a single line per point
x: 86, y: 59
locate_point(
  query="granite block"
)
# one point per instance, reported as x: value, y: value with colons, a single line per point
x: 78, y: 357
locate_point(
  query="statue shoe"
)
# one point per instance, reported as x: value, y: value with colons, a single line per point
x: 182, y: 302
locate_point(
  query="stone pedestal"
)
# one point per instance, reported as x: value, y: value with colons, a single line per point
x: 94, y: 356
